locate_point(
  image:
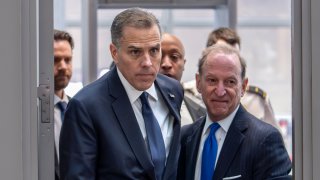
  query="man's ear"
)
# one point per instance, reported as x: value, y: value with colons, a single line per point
x: 198, y: 79
x: 244, y: 86
x: 114, y: 53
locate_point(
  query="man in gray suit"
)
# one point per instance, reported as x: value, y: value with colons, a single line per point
x: 229, y: 142
x: 110, y: 130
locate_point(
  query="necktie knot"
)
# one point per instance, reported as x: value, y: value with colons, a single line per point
x: 213, y: 128
x: 144, y: 98
x: 62, y: 106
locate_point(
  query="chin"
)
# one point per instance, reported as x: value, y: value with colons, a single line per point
x: 143, y: 87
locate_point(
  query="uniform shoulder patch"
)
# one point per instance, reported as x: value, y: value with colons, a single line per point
x: 257, y: 90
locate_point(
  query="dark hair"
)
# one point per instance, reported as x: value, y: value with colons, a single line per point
x: 222, y: 48
x: 133, y: 17
x: 63, y: 36
x: 228, y: 35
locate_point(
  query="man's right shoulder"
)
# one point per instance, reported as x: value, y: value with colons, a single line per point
x: 93, y: 90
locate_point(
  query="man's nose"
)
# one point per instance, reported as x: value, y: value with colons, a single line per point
x: 166, y: 63
x: 220, y: 90
x: 62, y: 64
x: 147, y: 60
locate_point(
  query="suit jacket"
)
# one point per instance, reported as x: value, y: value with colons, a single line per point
x: 101, y: 138
x: 252, y: 150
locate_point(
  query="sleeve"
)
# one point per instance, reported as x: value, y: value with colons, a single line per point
x: 78, y: 144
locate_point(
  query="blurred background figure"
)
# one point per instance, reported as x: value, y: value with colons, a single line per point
x: 63, y: 45
x: 172, y: 65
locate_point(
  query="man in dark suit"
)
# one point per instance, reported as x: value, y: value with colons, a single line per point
x: 106, y: 132
x: 62, y: 51
x: 229, y: 142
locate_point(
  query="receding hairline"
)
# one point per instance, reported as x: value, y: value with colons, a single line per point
x: 176, y: 39
x: 222, y: 49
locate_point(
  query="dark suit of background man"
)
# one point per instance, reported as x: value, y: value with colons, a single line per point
x: 247, y: 147
x: 104, y: 133
x: 63, y: 45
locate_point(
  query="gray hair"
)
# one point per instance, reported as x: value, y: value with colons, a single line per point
x: 133, y: 17
x: 222, y: 48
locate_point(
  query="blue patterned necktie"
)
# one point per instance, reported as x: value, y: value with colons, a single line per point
x: 154, y: 137
x: 62, y: 106
x: 209, y: 153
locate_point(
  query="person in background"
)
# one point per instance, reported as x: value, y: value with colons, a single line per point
x: 62, y: 51
x: 172, y: 65
x: 255, y: 100
x: 229, y: 142
x: 110, y: 130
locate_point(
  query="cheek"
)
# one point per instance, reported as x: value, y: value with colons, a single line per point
x: 55, y: 70
x: 237, y: 93
x: 70, y: 69
x: 156, y: 65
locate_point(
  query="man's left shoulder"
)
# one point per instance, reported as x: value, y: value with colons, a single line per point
x: 261, y: 127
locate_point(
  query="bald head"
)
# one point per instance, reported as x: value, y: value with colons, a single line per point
x: 173, y: 60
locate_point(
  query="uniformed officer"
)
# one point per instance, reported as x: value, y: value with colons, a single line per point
x: 255, y: 99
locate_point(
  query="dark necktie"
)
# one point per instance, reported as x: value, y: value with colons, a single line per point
x: 209, y: 153
x: 62, y: 106
x: 154, y: 137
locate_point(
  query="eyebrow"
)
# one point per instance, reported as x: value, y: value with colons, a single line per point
x: 134, y: 47
x: 157, y: 45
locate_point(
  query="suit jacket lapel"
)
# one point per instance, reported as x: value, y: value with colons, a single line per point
x: 128, y: 123
x: 192, y: 147
x: 231, y: 144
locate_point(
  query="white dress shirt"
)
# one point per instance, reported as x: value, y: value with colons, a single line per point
x: 159, y: 109
x: 220, y: 134
x: 57, y: 119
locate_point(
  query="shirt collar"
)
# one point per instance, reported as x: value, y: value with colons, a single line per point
x: 57, y: 99
x: 224, y: 123
x: 133, y: 93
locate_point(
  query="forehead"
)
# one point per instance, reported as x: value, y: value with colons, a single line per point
x: 223, y: 62
x: 138, y: 36
x: 61, y: 44
x: 169, y: 42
